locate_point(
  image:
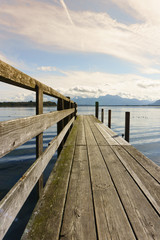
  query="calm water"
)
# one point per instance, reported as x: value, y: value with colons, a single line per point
x: 144, y: 126
x: 144, y: 135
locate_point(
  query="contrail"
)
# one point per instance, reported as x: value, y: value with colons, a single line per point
x: 66, y: 10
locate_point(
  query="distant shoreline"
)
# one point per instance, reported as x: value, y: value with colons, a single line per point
x: 53, y: 104
x: 120, y: 105
x: 26, y: 104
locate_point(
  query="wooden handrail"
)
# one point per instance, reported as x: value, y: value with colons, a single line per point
x: 14, y: 200
x: 14, y: 133
x: 11, y: 75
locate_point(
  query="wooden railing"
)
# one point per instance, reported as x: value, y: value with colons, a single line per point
x: 14, y: 133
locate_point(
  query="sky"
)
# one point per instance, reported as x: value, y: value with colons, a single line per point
x: 86, y: 48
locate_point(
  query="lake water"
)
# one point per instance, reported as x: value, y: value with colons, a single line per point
x: 144, y: 135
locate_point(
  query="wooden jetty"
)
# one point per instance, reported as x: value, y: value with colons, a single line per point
x: 101, y: 187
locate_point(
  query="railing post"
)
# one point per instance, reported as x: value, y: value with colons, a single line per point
x: 109, y: 118
x: 39, y: 138
x: 75, y: 111
x: 127, y: 125
x: 66, y: 119
x: 96, y: 109
x: 60, y: 124
x: 102, y: 115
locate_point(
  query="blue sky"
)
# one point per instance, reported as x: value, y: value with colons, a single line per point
x: 83, y: 48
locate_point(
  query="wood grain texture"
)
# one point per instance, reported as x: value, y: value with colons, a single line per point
x: 145, y: 181
x: 142, y: 216
x: 110, y: 136
x: 14, y: 200
x: 45, y: 222
x: 39, y: 138
x: 90, y: 139
x: 11, y: 75
x: 98, y: 135
x: 99, y: 190
x: 78, y: 221
x: 81, y: 134
x: 14, y: 133
x: 112, y: 222
x: 145, y: 162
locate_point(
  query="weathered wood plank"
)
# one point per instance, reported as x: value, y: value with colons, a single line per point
x: 110, y: 140
x: 11, y: 75
x: 142, y: 216
x: 14, y: 200
x: 81, y: 134
x: 73, y: 135
x: 88, y: 132
x: 78, y: 221
x: 39, y: 138
x: 112, y: 222
x: 14, y: 133
x: 145, y: 181
x: 98, y: 136
x: 145, y: 162
x: 108, y: 133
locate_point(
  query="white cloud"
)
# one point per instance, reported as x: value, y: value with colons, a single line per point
x: 146, y: 10
x: 47, y: 68
x: 95, y: 84
x: 67, y: 12
x: 47, y: 25
x: 89, y: 84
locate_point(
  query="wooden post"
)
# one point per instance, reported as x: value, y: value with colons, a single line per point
x: 96, y: 109
x: 66, y: 119
x: 60, y: 124
x: 39, y: 138
x: 109, y: 118
x: 75, y: 111
x: 102, y: 115
x: 127, y: 125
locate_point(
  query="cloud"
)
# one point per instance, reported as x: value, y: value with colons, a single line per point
x: 82, y: 91
x: 147, y: 85
x: 47, y: 68
x: 87, y: 84
x: 67, y: 12
x: 95, y: 84
x: 145, y: 10
x: 46, y: 25
x: 150, y: 70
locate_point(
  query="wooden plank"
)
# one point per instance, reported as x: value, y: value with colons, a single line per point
x: 145, y: 181
x: 14, y: 200
x: 78, y: 221
x: 71, y: 140
x: 39, y: 138
x: 108, y: 133
x: 142, y: 216
x: 45, y: 222
x: 14, y: 133
x: 110, y: 140
x: 145, y: 162
x: 98, y: 136
x: 112, y: 222
x: 51, y: 206
x: 11, y: 75
x: 81, y: 134
x: 88, y: 132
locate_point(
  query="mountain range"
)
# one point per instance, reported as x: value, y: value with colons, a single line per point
x: 112, y: 100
